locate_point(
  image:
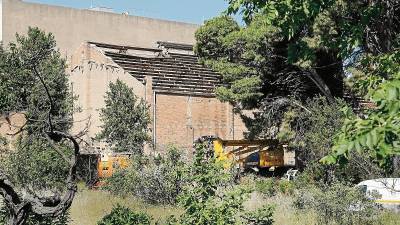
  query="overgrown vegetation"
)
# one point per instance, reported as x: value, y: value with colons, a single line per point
x: 157, y: 180
x: 124, y: 216
x: 290, y: 51
x: 337, y: 204
x: 292, y: 63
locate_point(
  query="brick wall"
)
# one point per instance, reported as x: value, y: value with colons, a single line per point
x: 181, y: 119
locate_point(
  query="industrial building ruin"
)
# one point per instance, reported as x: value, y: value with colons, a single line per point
x: 152, y: 56
x: 179, y: 90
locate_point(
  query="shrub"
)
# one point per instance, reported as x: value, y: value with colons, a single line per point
x: 270, y: 186
x: 120, y: 215
x: 208, y: 197
x: 336, y: 203
x: 262, y: 216
x: 286, y: 187
x: 156, y: 180
x: 266, y: 186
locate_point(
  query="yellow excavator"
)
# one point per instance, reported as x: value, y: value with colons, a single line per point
x: 256, y: 155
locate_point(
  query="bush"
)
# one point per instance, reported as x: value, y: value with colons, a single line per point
x: 266, y: 186
x: 208, y: 197
x: 262, y: 216
x: 156, y: 180
x: 337, y: 204
x: 270, y: 186
x: 286, y: 187
x: 311, y: 133
x: 120, y: 215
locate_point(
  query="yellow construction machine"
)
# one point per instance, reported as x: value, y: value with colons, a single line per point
x: 253, y: 154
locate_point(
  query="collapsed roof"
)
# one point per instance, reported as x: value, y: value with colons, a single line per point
x: 173, y: 67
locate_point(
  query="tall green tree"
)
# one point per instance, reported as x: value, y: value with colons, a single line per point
x: 125, y: 119
x: 299, y: 49
x: 38, y: 178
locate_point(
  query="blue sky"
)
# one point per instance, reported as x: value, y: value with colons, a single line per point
x: 191, y: 11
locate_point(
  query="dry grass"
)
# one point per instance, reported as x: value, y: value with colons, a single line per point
x: 284, y: 214
x: 89, y: 206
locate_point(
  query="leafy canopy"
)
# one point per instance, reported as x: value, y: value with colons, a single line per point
x: 379, y: 131
x: 298, y: 48
x: 125, y: 119
x: 34, y: 83
x: 21, y: 90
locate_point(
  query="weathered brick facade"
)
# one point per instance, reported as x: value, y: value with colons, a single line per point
x: 181, y: 119
x: 180, y: 113
x: 180, y: 91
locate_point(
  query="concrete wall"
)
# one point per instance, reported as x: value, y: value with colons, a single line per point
x: 72, y: 27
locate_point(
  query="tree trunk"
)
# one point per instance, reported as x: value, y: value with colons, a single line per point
x: 20, y: 216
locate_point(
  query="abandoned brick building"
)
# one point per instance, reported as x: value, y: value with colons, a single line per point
x: 179, y: 90
x: 152, y: 56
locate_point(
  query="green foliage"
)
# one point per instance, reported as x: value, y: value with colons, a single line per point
x: 378, y: 132
x: 310, y: 129
x: 333, y: 24
x: 337, y: 204
x: 266, y: 186
x: 206, y: 199
x: 288, y: 49
x: 286, y: 187
x: 270, y: 186
x: 21, y: 88
x: 156, y: 180
x: 63, y: 219
x: 120, y: 215
x: 35, y: 165
x: 262, y: 216
x: 125, y: 119
x: 262, y: 69
x: 25, y: 66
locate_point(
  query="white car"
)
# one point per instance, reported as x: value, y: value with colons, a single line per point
x: 387, y: 188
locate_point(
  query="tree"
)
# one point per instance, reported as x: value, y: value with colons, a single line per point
x: 378, y: 132
x: 34, y: 83
x: 125, y: 119
x: 311, y: 132
x: 299, y: 49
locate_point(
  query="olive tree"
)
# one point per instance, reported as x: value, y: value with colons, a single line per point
x: 34, y: 83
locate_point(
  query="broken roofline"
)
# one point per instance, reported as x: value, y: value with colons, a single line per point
x: 173, y: 67
x: 165, y: 44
